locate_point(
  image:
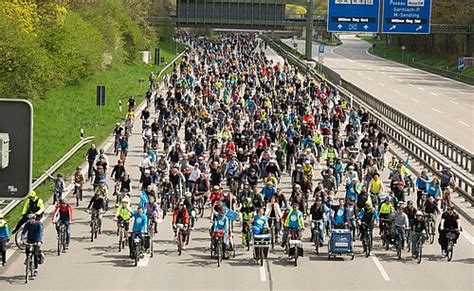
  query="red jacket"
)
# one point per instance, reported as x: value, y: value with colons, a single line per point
x: 62, y: 213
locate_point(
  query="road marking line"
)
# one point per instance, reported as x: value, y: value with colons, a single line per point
x: 436, y: 110
x: 421, y: 88
x: 454, y: 102
x: 433, y: 93
x: 263, y: 274
x: 416, y: 100
x: 468, y: 237
x: 380, y: 268
x: 144, y: 262
x: 369, y: 78
x: 400, y: 80
x: 396, y: 91
x: 463, y: 123
x: 381, y: 84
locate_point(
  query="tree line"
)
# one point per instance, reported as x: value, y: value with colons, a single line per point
x: 44, y: 44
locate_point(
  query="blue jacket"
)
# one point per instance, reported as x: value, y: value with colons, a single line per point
x: 140, y: 222
x: 421, y: 184
x: 33, y: 232
x: 364, y: 219
x: 220, y: 223
x: 4, y: 230
x: 268, y: 192
x: 339, y: 216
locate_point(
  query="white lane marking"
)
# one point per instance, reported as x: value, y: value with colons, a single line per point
x: 263, y: 274
x: 416, y: 100
x: 380, y: 268
x: 436, y: 110
x: 382, y: 84
x: 433, y: 93
x: 421, y: 88
x: 369, y: 78
x: 454, y: 102
x: 400, y: 80
x: 144, y: 262
x: 396, y: 91
x: 468, y: 237
x: 463, y: 123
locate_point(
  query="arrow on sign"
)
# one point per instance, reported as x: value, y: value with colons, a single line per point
x: 392, y: 27
x: 339, y: 26
x: 366, y: 27
x: 419, y: 28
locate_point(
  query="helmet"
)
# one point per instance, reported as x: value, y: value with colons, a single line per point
x: 126, y: 199
x: 450, y: 206
x: 216, y: 187
x: 32, y: 194
x: 419, y: 213
x: 79, y: 168
x: 368, y: 203
x: 62, y: 201
x: 401, y: 204
x: 181, y: 203
x: 187, y: 194
x: 32, y: 216
x: 248, y: 201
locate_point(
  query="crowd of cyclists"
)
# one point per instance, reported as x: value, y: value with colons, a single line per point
x: 228, y: 126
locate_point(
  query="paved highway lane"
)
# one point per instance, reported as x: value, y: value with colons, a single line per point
x: 99, y: 265
x: 444, y: 105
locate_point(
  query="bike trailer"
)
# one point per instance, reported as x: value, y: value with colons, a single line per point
x: 341, y: 241
x: 261, y: 241
x: 295, y: 244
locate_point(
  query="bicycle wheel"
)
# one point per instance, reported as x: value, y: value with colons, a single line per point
x: 219, y: 253
x: 137, y: 255
x: 419, y: 251
x: 120, y: 239
x: 369, y: 244
x: 27, y: 267
x: 151, y: 247
x: 180, y: 242
x: 296, y: 257
x: 432, y: 232
x: 92, y: 231
x: 449, y: 251
x: 272, y: 237
x: 261, y: 257
x: 18, y: 242
x: 59, y: 243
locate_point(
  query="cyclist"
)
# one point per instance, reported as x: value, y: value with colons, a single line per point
x: 446, y: 177
x: 410, y: 211
x: 123, y: 215
x: 78, y: 180
x: 367, y: 218
x: 97, y: 206
x: 400, y: 223
x: 139, y: 228
x: 91, y: 154
x: 180, y: 216
x: 151, y: 210
x: 221, y: 223
x: 4, y: 238
x: 421, y: 184
x: 434, y: 189
x: 59, y: 187
x: 317, y: 212
x: 419, y: 232
x: 339, y: 215
x: 431, y: 208
x: 63, y: 215
x: 33, y: 205
x: 450, y: 222
x: 246, y: 213
x: 33, y: 231
x: 294, y: 219
x: 268, y: 191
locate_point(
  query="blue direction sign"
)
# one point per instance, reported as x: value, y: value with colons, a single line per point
x: 461, y: 64
x: 353, y: 15
x: 406, y: 16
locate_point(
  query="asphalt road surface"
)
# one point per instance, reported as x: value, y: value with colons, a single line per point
x: 99, y: 265
x: 444, y: 105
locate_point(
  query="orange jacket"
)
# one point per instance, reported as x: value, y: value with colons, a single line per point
x: 184, y: 216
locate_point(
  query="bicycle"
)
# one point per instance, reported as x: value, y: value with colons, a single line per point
x: 385, y: 227
x: 61, y: 238
x: 408, y: 238
x: 450, y: 236
x: 419, y: 248
x: 137, y: 245
x: 165, y: 203
x: 218, y: 240
x: 180, y: 237
x: 95, y: 225
x: 315, y: 227
x: 273, y: 223
x: 399, y: 241
x: 199, y: 204
x: 247, y: 233
x: 123, y: 238
x: 367, y: 239
x: 30, y: 257
x: 431, y: 228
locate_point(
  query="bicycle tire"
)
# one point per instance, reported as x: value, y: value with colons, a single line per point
x: 180, y: 243
x: 296, y: 257
x: 272, y: 236
x: 432, y: 232
x: 120, y: 239
x: 59, y: 244
x: 369, y: 243
x: 27, y: 271
x: 18, y: 241
x: 419, y: 252
x: 449, y: 253
x: 137, y: 255
x: 219, y: 253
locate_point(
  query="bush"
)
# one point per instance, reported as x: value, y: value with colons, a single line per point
x: 25, y: 70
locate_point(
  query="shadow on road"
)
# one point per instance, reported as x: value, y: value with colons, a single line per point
x: 14, y: 280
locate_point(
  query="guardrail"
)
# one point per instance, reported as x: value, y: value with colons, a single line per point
x: 50, y: 171
x: 464, y: 185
